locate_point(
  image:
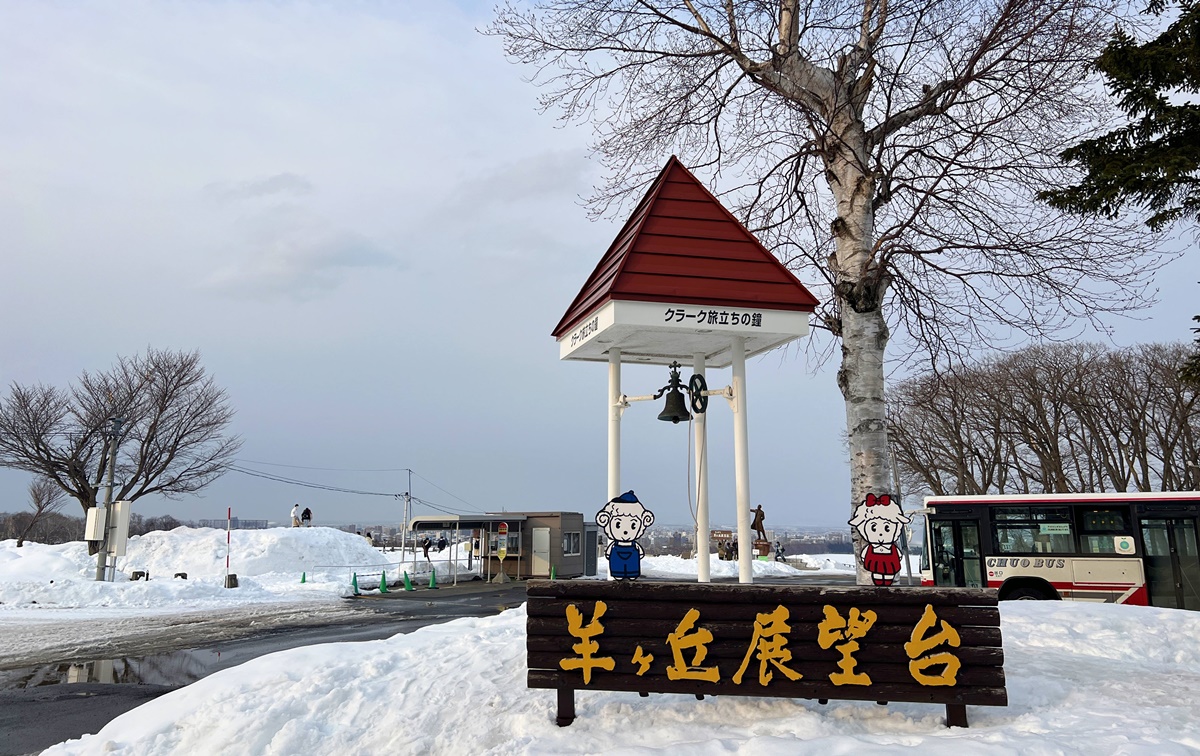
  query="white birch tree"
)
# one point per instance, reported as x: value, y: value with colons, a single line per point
x: 890, y: 151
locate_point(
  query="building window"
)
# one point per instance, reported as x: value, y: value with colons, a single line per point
x: 572, y: 544
x: 514, y: 543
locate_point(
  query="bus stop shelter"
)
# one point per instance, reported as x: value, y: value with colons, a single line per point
x: 487, y: 524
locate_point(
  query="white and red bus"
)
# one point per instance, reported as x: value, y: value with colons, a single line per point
x: 1125, y: 548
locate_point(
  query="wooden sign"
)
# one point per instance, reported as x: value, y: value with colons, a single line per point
x: 930, y: 645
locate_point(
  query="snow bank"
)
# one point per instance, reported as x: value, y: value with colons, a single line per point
x: 269, y: 564
x: 1082, y: 679
x: 677, y: 568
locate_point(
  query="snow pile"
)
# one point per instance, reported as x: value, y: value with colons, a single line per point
x: 201, y: 551
x: 677, y: 568
x: 268, y: 563
x: 839, y: 563
x: 1082, y: 679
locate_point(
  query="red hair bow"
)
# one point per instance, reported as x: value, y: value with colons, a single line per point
x: 882, y: 499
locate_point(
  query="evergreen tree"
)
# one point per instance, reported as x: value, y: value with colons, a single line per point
x: 1190, y: 373
x: 1154, y: 161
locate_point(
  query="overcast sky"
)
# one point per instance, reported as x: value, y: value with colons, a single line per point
x: 357, y: 215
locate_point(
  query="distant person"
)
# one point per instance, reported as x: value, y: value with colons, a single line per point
x: 370, y: 540
x: 722, y: 552
x: 779, y: 553
x: 306, y: 517
x: 442, y: 544
x: 425, y: 544
x: 733, y: 551
x: 295, y: 515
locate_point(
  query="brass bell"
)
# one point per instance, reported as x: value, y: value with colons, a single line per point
x: 676, y: 408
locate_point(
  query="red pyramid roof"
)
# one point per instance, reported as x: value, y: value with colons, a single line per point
x: 681, y: 245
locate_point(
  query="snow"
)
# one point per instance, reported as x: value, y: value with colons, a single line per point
x: 269, y: 565
x: 48, y: 594
x: 677, y: 568
x: 1082, y: 678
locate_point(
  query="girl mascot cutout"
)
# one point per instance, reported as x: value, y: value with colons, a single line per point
x: 623, y: 520
x: 878, y: 520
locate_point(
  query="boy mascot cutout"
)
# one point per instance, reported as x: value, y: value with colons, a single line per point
x: 878, y: 521
x: 623, y: 520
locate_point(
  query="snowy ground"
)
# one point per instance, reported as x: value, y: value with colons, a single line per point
x: 51, y: 606
x: 1082, y: 678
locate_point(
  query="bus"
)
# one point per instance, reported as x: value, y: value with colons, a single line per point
x: 1124, y: 548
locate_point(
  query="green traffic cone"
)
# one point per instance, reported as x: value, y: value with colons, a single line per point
x: 303, y: 577
x: 407, y: 582
x: 383, y: 583
x: 354, y: 584
x: 433, y: 579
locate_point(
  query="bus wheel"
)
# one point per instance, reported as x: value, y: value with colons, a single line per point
x: 1028, y: 593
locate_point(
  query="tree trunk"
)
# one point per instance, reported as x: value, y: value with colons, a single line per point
x: 859, y: 287
x: 864, y: 336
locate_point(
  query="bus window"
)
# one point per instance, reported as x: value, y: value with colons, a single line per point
x: 1032, y: 530
x: 1097, y: 528
x: 925, y: 546
x: 972, y: 564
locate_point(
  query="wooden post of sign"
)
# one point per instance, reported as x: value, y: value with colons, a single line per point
x: 566, y: 707
x: 956, y: 715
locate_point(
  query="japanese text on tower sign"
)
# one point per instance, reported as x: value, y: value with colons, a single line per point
x: 702, y: 316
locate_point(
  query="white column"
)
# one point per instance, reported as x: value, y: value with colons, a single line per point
x: 741, y: 461
x: 614, y: 430
x: 614, y: 424
x: 701, y: 429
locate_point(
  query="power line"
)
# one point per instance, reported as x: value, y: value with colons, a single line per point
x: 443, y: 508
x: 307, y: 484
x: 366, y: 469
x: 435, y: 485
x: 338, y: 489
x: 327, y: 469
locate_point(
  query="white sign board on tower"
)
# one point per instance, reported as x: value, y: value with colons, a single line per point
x: 660, y: 333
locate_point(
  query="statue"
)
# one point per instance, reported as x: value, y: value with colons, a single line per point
x: 757, y: 524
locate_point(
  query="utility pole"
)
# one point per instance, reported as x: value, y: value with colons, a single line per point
x: 407, y: 512
x: 102, y: 554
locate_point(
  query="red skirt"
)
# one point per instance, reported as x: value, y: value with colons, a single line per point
x: 882, y: 564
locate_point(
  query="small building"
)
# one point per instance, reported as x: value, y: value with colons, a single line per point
x: 537, y: 543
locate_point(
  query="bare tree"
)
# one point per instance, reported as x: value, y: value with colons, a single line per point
x: 1065, y: 418
x: 45, y: 498
x: 890, y: 149
x: 173, y: 441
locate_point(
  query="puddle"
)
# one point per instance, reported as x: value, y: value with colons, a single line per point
x: 170, y: 669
